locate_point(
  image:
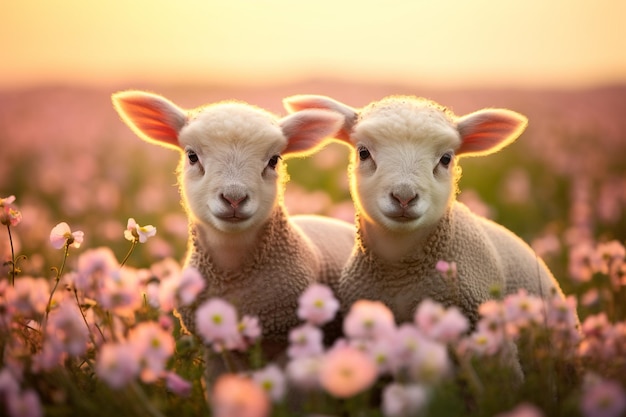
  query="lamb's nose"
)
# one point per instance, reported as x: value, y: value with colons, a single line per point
x: 403, y: 198
x: 234, y: 200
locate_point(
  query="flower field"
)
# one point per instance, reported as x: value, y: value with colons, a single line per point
x: 92, y: 236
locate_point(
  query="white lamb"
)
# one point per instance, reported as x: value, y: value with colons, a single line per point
x: 403, y: 180
x: 241, y: 240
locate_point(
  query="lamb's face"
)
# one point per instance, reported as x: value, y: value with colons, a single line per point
x: 230, y: 168
x: 402, y: 173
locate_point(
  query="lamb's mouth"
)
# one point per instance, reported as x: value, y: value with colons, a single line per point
x: 233, y: 217
x: 403, y: 217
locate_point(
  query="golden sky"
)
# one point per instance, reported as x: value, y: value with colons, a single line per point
x: 561, y: 43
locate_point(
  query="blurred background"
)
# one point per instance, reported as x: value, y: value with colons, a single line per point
x: 67, y: 157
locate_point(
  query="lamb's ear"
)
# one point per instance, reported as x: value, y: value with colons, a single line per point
x: 305, y: 130
x: 301, y: 102
x: 152, y: 117
x: 489, y: 130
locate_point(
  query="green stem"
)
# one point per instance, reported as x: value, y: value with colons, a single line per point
x: 132, y: 247
x: 141, y: 395
x: 93, y: 340
x: 56, y: 284
x: 13, y: 261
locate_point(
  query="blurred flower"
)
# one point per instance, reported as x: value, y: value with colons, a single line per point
x: 368, y: 319
x: 382, y: 353
x: 403, y: 400
x: 66, y: 330
x: 9, y: 215
x: 24, y: 404
x: 305, y: 340
x: 346, y: 371
x: 304, y: 371
x: 596, y: 342
x: 238, y: 396
x: 62, y: 235
x: 429, y: 363
x: 583, y: 262
x: 438, y: 323
x: 522, y: 310
x: 603, y: 398
x: 119, y: 292
x: 446, y: 269
x: 250, y: 329
x: 134, y: 232
x: 190, y: 285
x: 94, y: 266
x: 216, y: 323
x: 317, y: 304
x: 117, y: 364
x: 28, y: 296
x: 406, y: 340
x: 523, y: 410
x: 272, y: 380
x: 154, y: 346
x: 176, y: 384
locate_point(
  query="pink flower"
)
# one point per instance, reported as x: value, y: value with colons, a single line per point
x: 444, y: 325
x: 403, y: 400
x: 119, y: 292
x: 66, y: 330
x: 9, y: 215
x: 317, y: 304
x: 446, y: 269
x: 235, y: 395
x: 154, y: 345
x: 134, y: 232
x: 346, y: 371
x: 250, y: 329
x: 305, y: 340
x: 304, y: 372
x: 272, y: 380
x: 406, y: 340
x: 583, y: 262
x: 216, y: 323
x: 523, y: 410
x: 176, y: 384
x: 190, y: 285
x: 94, y: 267
x: 117, y: 364
x: 382, y: 352
x: 484, y: 341
x: 603, y: 399
x: 368, y: 319
x: 24, y: 404
x: 28, y: 296
x: 62, y: 235
x: 522, y: 310
x: 429, y: 363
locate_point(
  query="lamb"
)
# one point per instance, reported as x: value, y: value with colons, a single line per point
x: 241, y: 239
x: 403, y: 179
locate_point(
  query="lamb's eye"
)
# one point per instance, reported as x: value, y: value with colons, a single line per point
x: 363, y: 153
x: 445, y: 160
x: 193, y: 157
x: 273, y: 161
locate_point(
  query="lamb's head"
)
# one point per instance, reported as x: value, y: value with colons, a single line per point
x: 403, y: 169
x: 230, y: 171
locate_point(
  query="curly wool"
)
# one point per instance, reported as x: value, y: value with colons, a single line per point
x: 269, y: 283
x: 489, y: 258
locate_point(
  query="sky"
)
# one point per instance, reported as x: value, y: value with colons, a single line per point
x: 443, y: 43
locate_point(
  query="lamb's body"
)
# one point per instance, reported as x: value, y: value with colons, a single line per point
x: 281, y: 266
x: 403, y: 182
x: 489, y: 259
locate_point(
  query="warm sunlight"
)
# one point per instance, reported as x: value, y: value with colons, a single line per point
x: 443, y: 43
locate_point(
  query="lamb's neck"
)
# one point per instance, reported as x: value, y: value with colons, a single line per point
x: 393, y: 246
x: 227, y: 251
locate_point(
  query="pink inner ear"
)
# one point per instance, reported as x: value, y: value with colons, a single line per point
x: 488, y: 131
x: 307, y: 129
x: 152, y: 117
x: 302, y: 102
